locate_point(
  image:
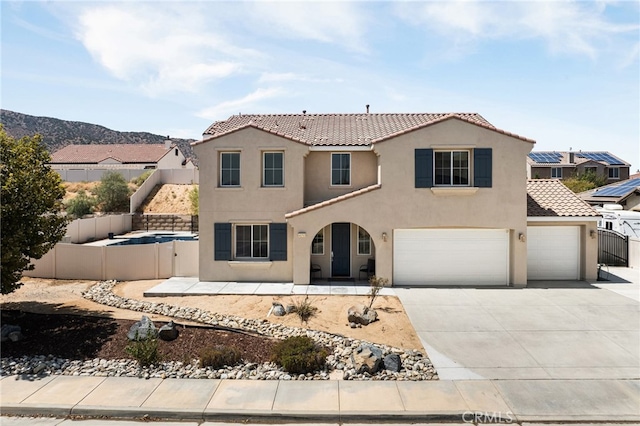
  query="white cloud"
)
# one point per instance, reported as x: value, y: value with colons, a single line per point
x: 161, y: 49
x: 246, y: 103
x: 269, y: 77
x: 336, y: 22
x: 565, y: 26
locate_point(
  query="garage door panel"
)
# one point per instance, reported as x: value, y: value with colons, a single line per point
x: 451, y: 257
x: 553, y: 252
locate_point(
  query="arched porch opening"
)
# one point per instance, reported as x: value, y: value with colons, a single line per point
x: 342, y: 251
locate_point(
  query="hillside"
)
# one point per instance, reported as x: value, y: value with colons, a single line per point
x: 57, y: 133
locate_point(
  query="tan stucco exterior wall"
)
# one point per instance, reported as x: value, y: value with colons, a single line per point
x: 249, y: 203
x: 399, y: 205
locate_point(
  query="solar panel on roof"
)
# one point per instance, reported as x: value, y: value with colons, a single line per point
x: 545, y: 157
x: 618, y: 190
x: 600, y: 156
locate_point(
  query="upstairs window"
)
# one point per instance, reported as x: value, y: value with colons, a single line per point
x: 340, y: 169
x: 273, y: 169
x: 252, y: 241
x: 556, y: 173
x: 230, y: 169
x: 451, y: 168
x: 614, y: 172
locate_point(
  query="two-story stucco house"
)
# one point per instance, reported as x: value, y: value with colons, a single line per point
x: 431, y: 199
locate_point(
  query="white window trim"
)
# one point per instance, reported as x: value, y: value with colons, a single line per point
x: 617, y: 169
x: 331, y: 170
x: 264, y: 169
x: 451, y: 151
x: 556, y: 169
x: 239, y: 170
x: 235, y: 243
x: 312, y: 243
x: 358, y: 242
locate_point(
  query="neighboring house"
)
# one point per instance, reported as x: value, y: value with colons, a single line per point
x: 125, y: 156
x: 432, y: 199
x: 562, y: 165
x: 625, y: 194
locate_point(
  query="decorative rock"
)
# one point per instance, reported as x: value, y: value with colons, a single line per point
x: 143, y: 329
x: 278, y: 310
x: 16, y: 336
x: 392, y: 362
x: 367, y: 359
x: 7, y: 329
x: 361, y: 314
x: 289, y: 309
x: 168, y: 332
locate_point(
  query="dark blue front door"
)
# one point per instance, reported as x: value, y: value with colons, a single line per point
x: 340, y: 249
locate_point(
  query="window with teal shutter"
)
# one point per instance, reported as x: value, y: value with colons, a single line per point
x: 482, y: 167
x: 423, y: 168
x: 222, y: 241
x: 278, y: 241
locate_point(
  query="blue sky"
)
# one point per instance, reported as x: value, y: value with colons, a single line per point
x: 565, y: 74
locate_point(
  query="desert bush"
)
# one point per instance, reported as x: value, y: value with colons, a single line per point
x: 220, y: 356
x: 299, y: 355
x: 81, y: 205
x: 145, y: 351
x: 376, y: 284
x: 140, y: 179
x: 194, y: 197
x: 304, y: 309
x: 113, y: 193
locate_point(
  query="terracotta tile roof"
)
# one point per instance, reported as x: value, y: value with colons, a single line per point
x: 333, y: 200
x: 341, y: 129
x: 96, y: 153
x: 550, y: 197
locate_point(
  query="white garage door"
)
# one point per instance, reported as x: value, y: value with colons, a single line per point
x: 470, y: 257
x: 553, y: 252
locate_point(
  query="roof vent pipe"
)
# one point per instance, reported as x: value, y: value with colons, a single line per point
x: 304, y: 111
x: 367, y: 108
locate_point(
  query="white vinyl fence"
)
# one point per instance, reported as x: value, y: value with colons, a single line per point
x: 97, y: 228
x: 122, y: 263
x: 634, y: 253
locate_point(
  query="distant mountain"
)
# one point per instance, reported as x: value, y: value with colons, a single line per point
x: 57, y: 133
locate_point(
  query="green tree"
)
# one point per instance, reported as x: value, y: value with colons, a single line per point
x: 81, y: 205
x: 31, y: 204
x: 112, y: 194
x: 194, y: 197
x: 584, y: 182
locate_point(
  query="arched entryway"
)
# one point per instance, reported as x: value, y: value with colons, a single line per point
x: 341, y: 251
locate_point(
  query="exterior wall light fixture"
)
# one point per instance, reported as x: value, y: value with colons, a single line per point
x: 384, y: 236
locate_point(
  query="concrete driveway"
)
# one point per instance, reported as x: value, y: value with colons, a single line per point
x: 550, y: 330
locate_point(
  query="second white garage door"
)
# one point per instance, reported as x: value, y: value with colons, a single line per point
x: 553, y: 252
x: 473, y: 257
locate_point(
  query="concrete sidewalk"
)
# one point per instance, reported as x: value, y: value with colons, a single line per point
x: 514, y: 401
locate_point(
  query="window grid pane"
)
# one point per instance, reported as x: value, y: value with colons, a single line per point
x: 230, y: 169
x: 451, y: 168
x: 340, y: 169
x: 273, y: 169
x: 252, y: 241
x: 364, y: 242
x: 317, y: 246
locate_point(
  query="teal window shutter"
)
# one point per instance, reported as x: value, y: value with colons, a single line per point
x: 278, y: 241
x: 222, y: 241
x: 482, y: 167
x: 424, y: 168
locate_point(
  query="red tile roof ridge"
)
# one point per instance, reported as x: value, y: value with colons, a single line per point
x: 333, y: 200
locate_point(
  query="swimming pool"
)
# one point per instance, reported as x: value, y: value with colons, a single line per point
x: 151, y: 239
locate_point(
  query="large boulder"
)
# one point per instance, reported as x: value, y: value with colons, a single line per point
x: 361, y: 314
x: 278, y: 310
x: 392, y: 362
x: 143, y: 329
x: 168, y: 332
x: 367, y: 359
x: 10, y: 332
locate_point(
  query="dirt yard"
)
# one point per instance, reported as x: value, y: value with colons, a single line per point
x: 57, y: 296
